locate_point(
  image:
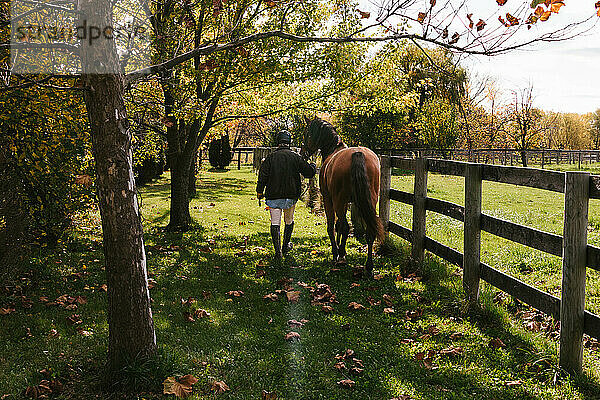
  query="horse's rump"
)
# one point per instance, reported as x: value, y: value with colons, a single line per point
x: 352, y: 175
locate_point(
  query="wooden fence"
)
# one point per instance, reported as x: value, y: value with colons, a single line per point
x: 578, y: 187
x: 542, y: 157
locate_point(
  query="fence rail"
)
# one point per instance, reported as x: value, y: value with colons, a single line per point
x: 572, y: 246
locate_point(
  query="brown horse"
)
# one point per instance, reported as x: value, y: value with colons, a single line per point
x: 348, y: 175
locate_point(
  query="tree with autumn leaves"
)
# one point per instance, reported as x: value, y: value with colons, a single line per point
x: 202, y: 68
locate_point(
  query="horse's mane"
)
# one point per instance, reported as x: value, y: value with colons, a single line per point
x: 323, y: 134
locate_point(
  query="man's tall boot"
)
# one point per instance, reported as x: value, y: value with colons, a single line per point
x: 287, y: 236
x: 276, y: 240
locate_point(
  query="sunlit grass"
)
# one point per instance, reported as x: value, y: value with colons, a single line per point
x: 242, y: 341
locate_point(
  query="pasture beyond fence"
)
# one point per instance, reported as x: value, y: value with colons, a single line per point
x: 578, y: 187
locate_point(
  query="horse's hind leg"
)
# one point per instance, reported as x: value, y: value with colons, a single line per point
x: 338, y: 234
x: 369, y: 265
x: 330, y: 214
x: 344, y: 230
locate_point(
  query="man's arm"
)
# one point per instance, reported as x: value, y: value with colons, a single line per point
x: 308, y: 170
x: 263, y: 175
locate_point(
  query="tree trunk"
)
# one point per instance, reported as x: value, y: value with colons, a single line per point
x: 524, y: 158
x: 180, y: 201
x: 192, y: 176
x: 131, y: 328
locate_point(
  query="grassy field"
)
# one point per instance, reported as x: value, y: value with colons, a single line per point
x: 535, y: 208
x: 426, y: 349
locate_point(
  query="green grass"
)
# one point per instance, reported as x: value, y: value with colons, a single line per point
x: 242, y: 343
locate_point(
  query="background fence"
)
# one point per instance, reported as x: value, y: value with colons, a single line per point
x: 542, y: 157
x: 578, y: 187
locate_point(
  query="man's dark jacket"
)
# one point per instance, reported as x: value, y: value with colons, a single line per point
x: 280, y: 173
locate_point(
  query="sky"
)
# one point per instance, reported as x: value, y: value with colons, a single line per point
x: 565, y: 75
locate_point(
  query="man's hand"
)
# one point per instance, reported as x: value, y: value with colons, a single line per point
x: 260, y: 196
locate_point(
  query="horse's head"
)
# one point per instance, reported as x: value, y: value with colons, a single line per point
x: 309, y: 144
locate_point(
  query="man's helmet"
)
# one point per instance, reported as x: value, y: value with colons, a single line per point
x: 284, y: 137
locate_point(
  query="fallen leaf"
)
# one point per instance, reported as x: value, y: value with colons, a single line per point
x: 496, y: 343
x: 452, y: 351
x: 84, y: 180
x: 356, y: 370
x: 372, y: 301
x: 347, y: 354
x: 83, y: 332
x: 388, y: 310
x: 346, y: 383
x: 292, y: 336
x: 6, y: 311
x: 259, y: 273
x: 433, y: 330
x: 513, y: 383
x: 414, y: 314
x: 201, y: 313
x: 327, y: 309
x: 293, y: 322
x: 235, y: 293
x: 456, y: 335
x: 357, y: 362
x: 219, y: 387
x: 271, y: 296
x: 293, y: 296
x: 355, y: 306
x: 269, y: 395
x: 181, y: 388
x: 388, y: 300
x: 340, y: 365
x: 354, y: 285
x: 74, y: 319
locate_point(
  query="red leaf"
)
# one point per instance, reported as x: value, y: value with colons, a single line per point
x: 455, y: 38
x: 421, y: 17
x: 480, y: 25
x: 501, y: 2
x: 364, y: 14
x: 512, y: 20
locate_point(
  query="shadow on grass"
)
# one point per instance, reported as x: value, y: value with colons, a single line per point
x: 243, y: 344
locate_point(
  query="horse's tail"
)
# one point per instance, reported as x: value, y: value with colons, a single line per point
x: 361, y: 196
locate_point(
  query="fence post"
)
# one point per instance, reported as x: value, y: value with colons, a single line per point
x: 255, y: 158
x: 579, y: 159
x: 572, y: 304
x: 239, y: 159
x: 419, y: 211
x: 385, y: 183
x: 543, y: 158
x: 472, y: 234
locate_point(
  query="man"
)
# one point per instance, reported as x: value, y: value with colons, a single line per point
x: 280, y: 175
